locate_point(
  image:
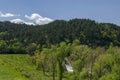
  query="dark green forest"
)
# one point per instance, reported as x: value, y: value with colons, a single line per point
x: 92, y: 49
x: 21, y: 38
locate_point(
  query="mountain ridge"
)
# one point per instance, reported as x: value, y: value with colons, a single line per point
x: 87, y: 31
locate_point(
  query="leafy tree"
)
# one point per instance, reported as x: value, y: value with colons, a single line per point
x: 31, y: 48
x: 53, y: 60
x: 40, y: 59
x: 103, y: 66
x: 3, y: 46
x: 63, y: 50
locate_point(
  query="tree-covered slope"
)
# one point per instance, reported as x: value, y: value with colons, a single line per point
x: 20, y: 37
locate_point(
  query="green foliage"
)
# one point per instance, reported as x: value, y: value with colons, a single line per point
x: 48, y: 63
x: 3, y: 46
x: 103, y: 66
x: 106, y: 66
x: 88, y: 63
x: 91, y: 48
x: 110, y: 77
x: 86, y: 32
x: 19, y: 67
x: 84, y: 74
x: 31, y: 48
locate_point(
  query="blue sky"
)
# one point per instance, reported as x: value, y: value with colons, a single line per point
x: 99, y: 10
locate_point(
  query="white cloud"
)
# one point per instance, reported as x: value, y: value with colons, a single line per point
x: 29, y: 23
x: 17, y: 21
x: 7, y: 15
x: 20, y: 21
x: 33, y: 19
x: 38, y: 19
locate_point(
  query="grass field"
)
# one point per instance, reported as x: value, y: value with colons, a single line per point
x: 19, y: 67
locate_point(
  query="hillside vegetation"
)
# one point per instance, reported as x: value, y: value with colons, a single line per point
x: 21, y: 38
x: 42, y: 52
x: 48, y: 64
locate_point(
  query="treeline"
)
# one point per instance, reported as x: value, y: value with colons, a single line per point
x: 21, y: 38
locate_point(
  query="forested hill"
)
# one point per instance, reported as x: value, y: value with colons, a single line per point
x: 20, y: 37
